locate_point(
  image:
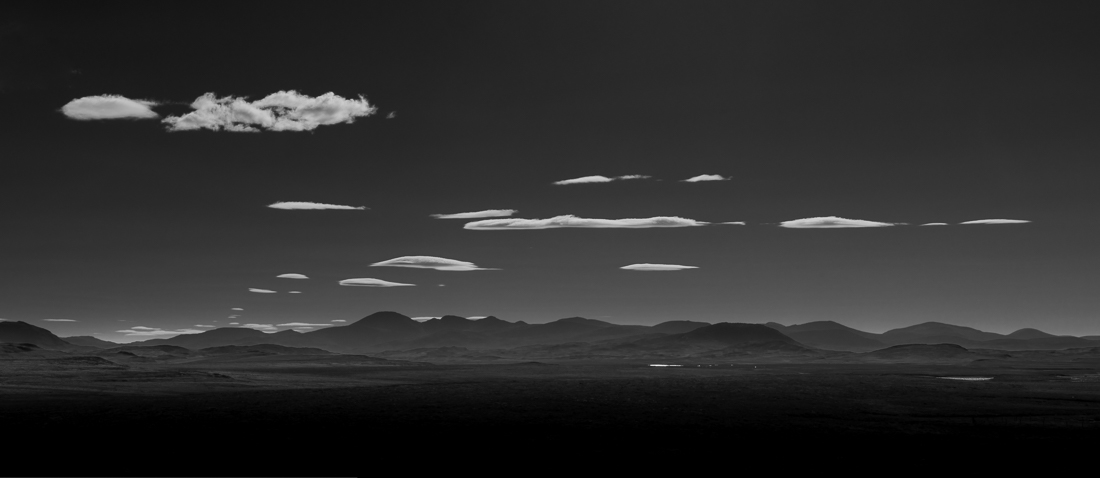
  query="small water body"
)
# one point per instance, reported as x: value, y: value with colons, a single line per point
x: 968, y: 379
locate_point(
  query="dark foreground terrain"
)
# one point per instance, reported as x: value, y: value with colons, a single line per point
x: 294, y: 417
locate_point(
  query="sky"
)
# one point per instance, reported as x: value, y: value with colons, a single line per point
x: 160, y: 164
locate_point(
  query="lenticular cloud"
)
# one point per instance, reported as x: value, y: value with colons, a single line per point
x: 598, y: 179
x: 281, y: 111
x: 996, y: 221
x: 830, y: 222
x: 477, y: 214
x: 368, y: 282
x: 656, y: 267
x: 706, y: 177
x: 430, y: 262
x: 292, y: 276
x: 108, y: 107
x: 311, y: 205
x: 261, y: 291
x: 574, y: 221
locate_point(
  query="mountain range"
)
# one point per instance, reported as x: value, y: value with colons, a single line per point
x: 392, y: 331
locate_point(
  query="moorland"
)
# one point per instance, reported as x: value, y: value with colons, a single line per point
x: 387, y: 386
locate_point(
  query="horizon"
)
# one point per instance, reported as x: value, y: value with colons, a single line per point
x: 874, y: 165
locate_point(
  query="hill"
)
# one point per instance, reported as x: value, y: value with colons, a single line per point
x: 20, y: 332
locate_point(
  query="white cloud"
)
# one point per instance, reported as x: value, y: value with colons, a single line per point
x: 292, y: 205
x: 262, y: 291
x: 236, y: 308
x: 108, y: 107
x: 477, y: 214
x: 234, y: 323
x: 431, y: 262
x: 830, y: 222
x: 995, y: 221
x: 935, y: 224
x: 656, y: 267
x: 208, y: 326
x: 59, y: 320
x: 573, y: 221
x: 263, y: 327
x: 292, y: 276
x: 282, y: 111
x: 598, y: 179
x: 140, y: 331
x: 294, y: 292
x: 368, y: 282
x: 423, y: 319
x: 736, y: 223
x: 339, y: 320
x: 706, y: 177
x: 302, y: 324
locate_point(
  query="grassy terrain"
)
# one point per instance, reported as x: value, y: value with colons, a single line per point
x: 350, y: 412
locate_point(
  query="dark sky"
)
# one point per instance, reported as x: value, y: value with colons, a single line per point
x: 899, y: 112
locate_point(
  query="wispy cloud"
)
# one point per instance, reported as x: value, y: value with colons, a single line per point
x: 236, y: 308
x: 281, y: 111
x: 368, y: 282
x: 706, y: 177
x: 830, y: 222
x: 59, y: 320
x: 263, y: 327
x: 431, y: 262
x: 935, y: 224
x: 294, y: 292
x: 292, y: 276
x: 234, y: 323
x: 261, y: 291
x: 574, y: 221
x: 996, y: 221
x: 339, y: 320
x: 302, y: 324
x: 656, y: 267
x: 598, y: 179
x: 477, y: 214
x: 108, y: 107
x: 293, y: 205
x: 141, y: 331
x: 207, y: 326
x: 735, y: 223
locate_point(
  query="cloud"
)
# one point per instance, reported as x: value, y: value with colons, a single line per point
x: 574, y: 221
x: 423, y: 319
x: 59, y: 320
x: 995, y: 221
x: 475, y: 215
x: 598, y: 179
x: 736, y: 223
x: 281, y: 111
x: 263, y: 327
x: 368, y: 282
x: 292, y: 276
x: 656, y: 267
x: 302, y: 324
x: 830, y: 222
x: 208, y: 326
x: 294, y: 292
x: 935, y: 224
x: 431, y: 262
x: 706, y: 177
x: 262, y: 291
x: 140, y: 331
x: 293, y: 205
x: 339, y: 320
x: 234, y: 323
x: 108, y: 107
x: 236, y: 308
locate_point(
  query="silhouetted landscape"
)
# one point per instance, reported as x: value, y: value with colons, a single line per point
x: 391, y: 381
